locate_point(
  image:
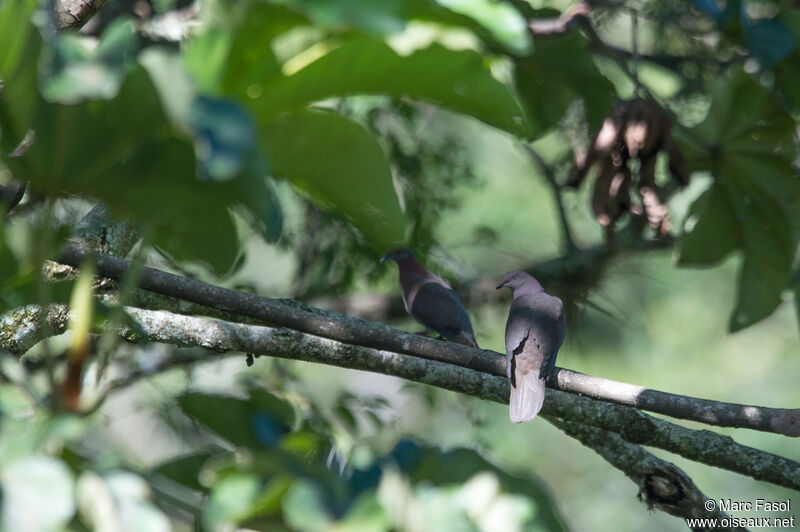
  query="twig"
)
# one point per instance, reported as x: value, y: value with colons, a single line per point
x: 549, y: 174
x: 635, y: 51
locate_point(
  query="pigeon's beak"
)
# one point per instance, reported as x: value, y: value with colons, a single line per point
x: 501, y: 285
x: 384, y: 259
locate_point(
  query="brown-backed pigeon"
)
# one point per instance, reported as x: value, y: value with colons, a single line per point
x: 430, y: 300
x: 534, y: 333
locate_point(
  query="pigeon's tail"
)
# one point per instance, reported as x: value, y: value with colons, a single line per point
x: 526, y: 397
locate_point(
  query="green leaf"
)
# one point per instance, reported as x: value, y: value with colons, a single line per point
x: 375, y: 17
x: 124, y: 152
x: 770, y: 40
x: 118, y: 500
x: 456, y: 80
x: 441, y: 468
x: 502, y: 21
x: 184, y: 470
x: 19, y: 95
x: 224, y: 137
x: 304, y: 507
x: 787, y: 78
x: 260, y: 421
x: 710, y: 231
x: 37, y: 494
x: 77, y: 67
x: 237, y: 61
x: 559, y: 71
x: 748, y: 146
x: 231, y: 500
x: 340, y: 165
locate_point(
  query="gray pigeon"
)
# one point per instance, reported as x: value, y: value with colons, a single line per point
x: 430, y: 300
x: 534, y: 333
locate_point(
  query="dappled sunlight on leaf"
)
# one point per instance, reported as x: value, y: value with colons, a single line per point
x: 752, y: 205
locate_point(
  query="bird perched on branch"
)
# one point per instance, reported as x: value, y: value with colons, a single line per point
x: 430, y: 300
x: 534, y: 333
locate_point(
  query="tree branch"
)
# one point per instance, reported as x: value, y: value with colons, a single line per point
x: 702, y: 446
x: 662, y: 485
x: 75, y: 13
x: 294, y: 315
x: 24, y: 327
x: 778, y: 420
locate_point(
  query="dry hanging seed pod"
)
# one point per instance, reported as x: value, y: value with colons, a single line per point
x: 636, y: 129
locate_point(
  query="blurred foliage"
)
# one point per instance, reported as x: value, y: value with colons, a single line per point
x: 332, y: 131
x: 262, y: 464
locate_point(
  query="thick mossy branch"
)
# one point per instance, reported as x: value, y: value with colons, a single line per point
x: 634, y: 426
x: 350, y: 330
x: 24, y: 327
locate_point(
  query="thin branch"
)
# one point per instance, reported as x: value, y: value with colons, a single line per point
x: 635, y: 51
x: 575, y: 269
x: 289, y: 313
x: 549, y: 174
x: 634, y: 426
x: 295, y: 315
x: 778, y: 420
x: 570, y: 19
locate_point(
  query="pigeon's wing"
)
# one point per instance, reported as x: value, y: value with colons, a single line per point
x: 534, y: 333
x: 555, y: 337
x: 549, y: 328
x: 438, y: 308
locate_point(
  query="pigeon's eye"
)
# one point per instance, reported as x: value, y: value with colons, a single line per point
x: 514, y: 277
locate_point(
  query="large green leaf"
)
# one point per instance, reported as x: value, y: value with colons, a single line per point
x: 122, y: 149
x: 18, y: 92
x: 184, y: 470
x: 747, y: 145
x: 457, y: 80
x: 233, y: 63
x: 257, y: 422
x: 711, y: 231
x: 224, y: 137
x: 559, y: 71
x: 342, y: 167
x: 375, y: 17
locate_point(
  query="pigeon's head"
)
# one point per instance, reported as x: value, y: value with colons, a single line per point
x: 398, y: 255
x: 517, y: 279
